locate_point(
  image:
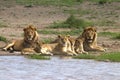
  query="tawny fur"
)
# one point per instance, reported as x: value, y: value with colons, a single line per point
x: 60, y: 47
x: 90, y: 42
x: 27, y: 44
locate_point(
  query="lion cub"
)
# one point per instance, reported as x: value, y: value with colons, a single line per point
x: 79, y: 46
x: 60, y: 47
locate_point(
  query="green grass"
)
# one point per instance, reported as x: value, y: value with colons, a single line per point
x: 3, y: 39
x: 84, y: 56
x: 105, y: 1
x: 72, y: 22
x: 49, y: 2
x: 71, y: 32
x: 78, y: 11
x: 30, y: 3
x: 40, y: 57
x: 2, y: 25
x: 112, y: 57
x: 110, y: 34
x: 117, y: 37
x: 105, y: 22
x: 47, y: 40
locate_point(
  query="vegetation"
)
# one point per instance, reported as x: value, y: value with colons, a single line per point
x: 47, y: 40
x: 111, y: 34
x: 117, y: 37
x: 112, y: 57
x: 105, y: 1
x: 30, y: 3
x: 72, y: 22
x: 84, y: 56
x: 2, y: 25
x: 49, y: 2
x: 40, y: 57
x: 71, y: 32
x: 77, y: 11
x: 3, y: 39
x: 105, y: 22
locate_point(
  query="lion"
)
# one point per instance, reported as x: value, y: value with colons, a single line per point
x: 78, y: 46
x: 60, y: 47
x: 90, y: 42
x: 27, y: 44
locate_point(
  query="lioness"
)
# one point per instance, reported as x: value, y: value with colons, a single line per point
x: 27, y: 44
x: 77, y: 45
x: 61, y: 47
x: 90, y: 42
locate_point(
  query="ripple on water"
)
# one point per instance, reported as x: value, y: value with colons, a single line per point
x: 20, y: 68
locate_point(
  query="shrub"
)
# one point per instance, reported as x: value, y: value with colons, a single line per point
x: 72, y: 22
x: 117, y: 37
x: 102, y: 1
x: 3, y: 39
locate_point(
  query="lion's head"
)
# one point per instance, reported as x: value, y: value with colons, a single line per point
x: 63, y: 40
x: 30, y: 33
x: 89, y: 34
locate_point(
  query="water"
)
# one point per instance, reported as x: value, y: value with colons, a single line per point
x: 21, y: 68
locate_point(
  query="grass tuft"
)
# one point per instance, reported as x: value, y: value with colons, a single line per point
x: 40, y: 57
x: 49, y: 2
x: 111, y: 34
x: 113, y: 57
x: 85, y: 56
x: 117, y: 37
x: 3, y: 39
x: 47, y: 40
x: 2, y: 25
x: 72, y: 22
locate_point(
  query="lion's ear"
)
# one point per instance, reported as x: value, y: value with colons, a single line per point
x: 94, y: 29
x: 24, y: 29
x: 68, y: 36
x: 59, y: 36
x: 86, y: 28
x: 35, y: 28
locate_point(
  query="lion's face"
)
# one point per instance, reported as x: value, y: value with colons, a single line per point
x: 29, y: 33
x: 89, y: 34
x: 63, y: 40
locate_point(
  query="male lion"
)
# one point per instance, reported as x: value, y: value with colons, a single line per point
x: 90, y: 42
x: 60, y: 47
x: 27, y: 44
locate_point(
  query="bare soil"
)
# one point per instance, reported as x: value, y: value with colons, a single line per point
x: 16, y: 17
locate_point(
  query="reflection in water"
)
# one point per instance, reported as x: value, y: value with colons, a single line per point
x: 20, y: 68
